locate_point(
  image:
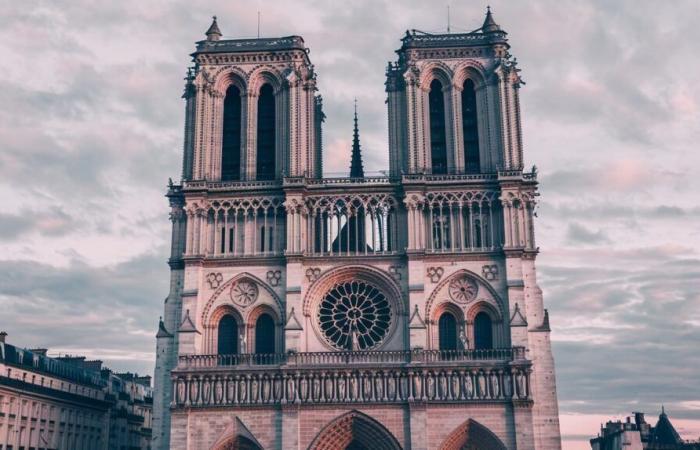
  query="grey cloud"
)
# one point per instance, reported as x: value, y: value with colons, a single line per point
x: 578, y: 234
x: 53, y: 222
x: 116, y: 308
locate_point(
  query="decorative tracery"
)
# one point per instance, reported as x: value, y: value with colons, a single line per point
x: 354, y: 315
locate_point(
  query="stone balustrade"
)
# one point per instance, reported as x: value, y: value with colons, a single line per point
x: 320, y: 378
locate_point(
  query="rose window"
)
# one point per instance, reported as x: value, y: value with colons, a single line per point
x: 354, y: 316
x: 244, y: 293
x: 463, y: 290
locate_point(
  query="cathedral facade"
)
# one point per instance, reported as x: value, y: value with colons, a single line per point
x: 392, y: 312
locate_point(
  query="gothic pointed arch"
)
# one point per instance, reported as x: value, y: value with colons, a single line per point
x: 355, y: 430
x: 484, y: 295
x: 471, y: 435
x: 236, y: 436
x: 229, y: 299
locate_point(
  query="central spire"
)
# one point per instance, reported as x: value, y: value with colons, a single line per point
x: 356, y: 169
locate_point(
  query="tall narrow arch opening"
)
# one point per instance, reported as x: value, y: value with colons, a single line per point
x: 447, y: 327
x: 438, y: 136
x: 483, y: 331
x: 470, y: 128
x: 231, y: 138
x: 266, y: 134
x: 265, y: 335
x: 227, y: 341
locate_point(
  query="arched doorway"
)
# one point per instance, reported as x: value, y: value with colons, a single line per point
x: 355, y: 431
x: 447, y: 328
x: 227, y: 341
x: 483, y: 331
x: 471, y: 435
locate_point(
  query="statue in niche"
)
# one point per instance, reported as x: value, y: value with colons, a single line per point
x: 254, y: 390
x: 354, y: 387
x: 291, y: 389
x: 266, y: 390
x: 244, y: 343
x: 522, y: 391
x: 316, y: 389
x: 455, y: 385
x: 218, y: 391
x: 243, y: 390
x: 430, y: 383
x: 328, y: 387
x: 180, y: 391
x: 495, y: 388
x: 507, y: 385
x: 468, y: 385
x: 443, y: 386
x: 378, y: 386
x: 481, y: 379
x: 367, y: 386
x: 303, y: 388
x: 277, y: 387
x: 341, y: 388
x: 391, y: 387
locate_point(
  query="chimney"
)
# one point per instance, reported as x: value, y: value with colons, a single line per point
x: 3, y: 335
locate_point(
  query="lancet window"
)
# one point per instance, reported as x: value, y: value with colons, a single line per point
x: 470, y: 129
x: 353, y: 224
x: 266, y: 134
x: 447, y: 327
x: 227, y: 336
x: 483, y: 331
x: 438, y: 135
x: 264, y: 335
x: 231, y: 138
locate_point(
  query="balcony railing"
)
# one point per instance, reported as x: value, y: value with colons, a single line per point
x: 498, y: 375
x: 358, y: 357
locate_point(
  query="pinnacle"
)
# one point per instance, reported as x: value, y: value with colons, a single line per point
x: 213, y: 33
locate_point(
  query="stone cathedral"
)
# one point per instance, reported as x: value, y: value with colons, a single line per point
x: 363, y: 312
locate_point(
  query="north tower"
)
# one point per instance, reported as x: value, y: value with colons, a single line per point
x: 361, y: 312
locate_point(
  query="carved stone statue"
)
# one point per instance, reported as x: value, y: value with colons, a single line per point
x: 495, y: 388
x: 468, y: 385
x: 244, y: 344
x: 463, y: 340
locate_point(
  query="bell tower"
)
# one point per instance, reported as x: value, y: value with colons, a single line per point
x: 251, y: 110
x: 453, y: 103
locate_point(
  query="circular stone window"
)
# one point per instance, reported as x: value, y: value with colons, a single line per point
x: 354, y: 315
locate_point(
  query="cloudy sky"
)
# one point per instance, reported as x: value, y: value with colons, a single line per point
x: 91, y: 128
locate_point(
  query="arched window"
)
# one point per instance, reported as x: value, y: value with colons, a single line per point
x: 447, y: 326
x: 483, y: 331
x: 266, y: 134
x: 264, y: 335
x: 231, y: 139
x: 470, y: 129
x: 438, y: 138
x: 228, y: 336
